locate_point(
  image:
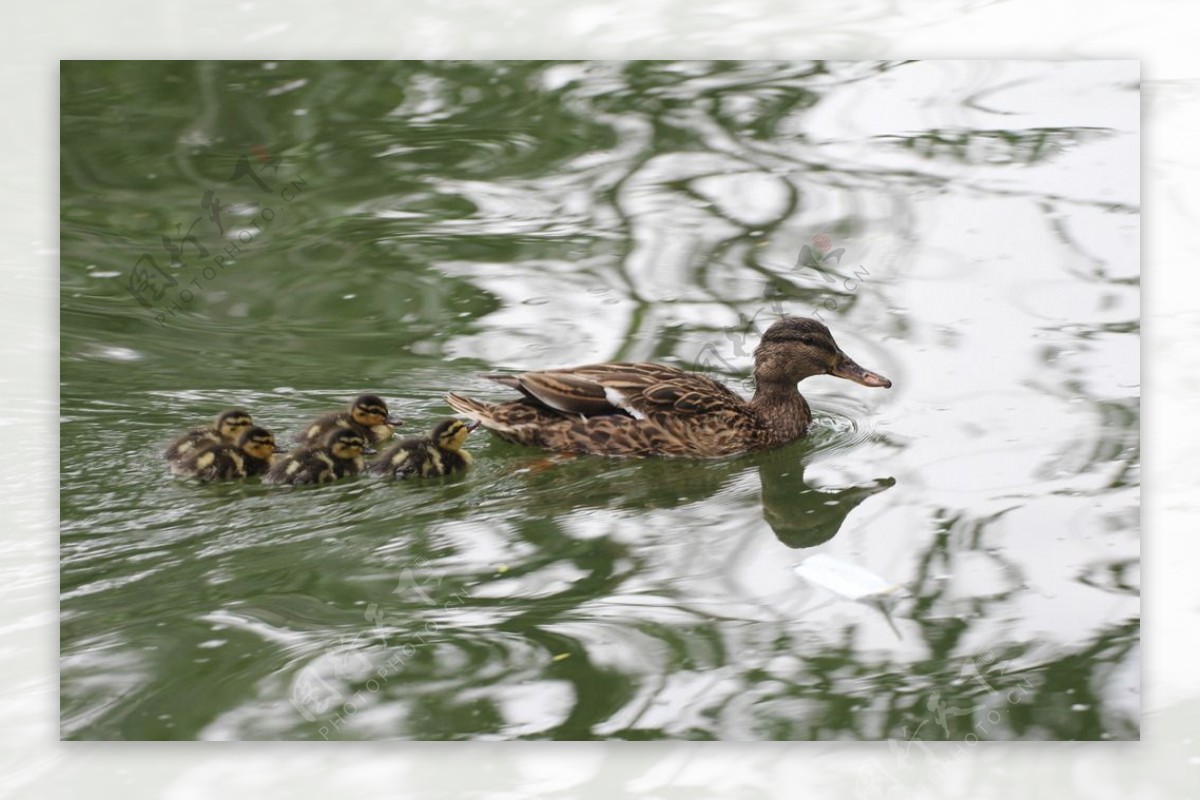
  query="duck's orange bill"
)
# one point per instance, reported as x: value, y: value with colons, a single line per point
x: 850, y: 370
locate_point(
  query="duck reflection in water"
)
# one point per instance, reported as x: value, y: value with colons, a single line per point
x: 801, y: 516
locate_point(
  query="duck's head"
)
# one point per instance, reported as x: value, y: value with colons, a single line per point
x: 798, y: 347
x: 257, y: 442
x: 231, y: 423
x: 450, y: 435
x: 370, y: 411
x: 344, y: 443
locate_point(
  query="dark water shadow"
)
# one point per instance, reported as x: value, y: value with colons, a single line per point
x: 800, y: 515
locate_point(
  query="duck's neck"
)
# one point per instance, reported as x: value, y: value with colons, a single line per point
x: 783, y: 410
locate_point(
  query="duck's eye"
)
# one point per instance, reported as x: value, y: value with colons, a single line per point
x: 817, y: 342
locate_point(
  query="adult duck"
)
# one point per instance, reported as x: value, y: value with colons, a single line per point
x: 645, y: 409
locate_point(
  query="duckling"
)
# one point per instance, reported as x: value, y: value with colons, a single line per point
x: 339, y: 456
x: 251, y: 456
x: 439, y: 454
x: 225, y: 430
x: 367, y: 414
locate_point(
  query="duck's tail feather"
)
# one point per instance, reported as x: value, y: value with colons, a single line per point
x: 516, y: 421
x: 507, y: 379
x: 482, y: 412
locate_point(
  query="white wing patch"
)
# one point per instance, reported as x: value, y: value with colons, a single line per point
x: 617, y: 398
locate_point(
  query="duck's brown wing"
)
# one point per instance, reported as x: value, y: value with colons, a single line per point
x: 638, y: 390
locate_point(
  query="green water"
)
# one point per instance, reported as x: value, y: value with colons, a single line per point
x: 417, y: 224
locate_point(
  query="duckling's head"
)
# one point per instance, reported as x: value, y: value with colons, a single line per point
x: 257, y: 442
x: 798, y: 347
x: 370, y: 411
x: 450, y: 435
x: 345, y: 443
x: 231, y: 423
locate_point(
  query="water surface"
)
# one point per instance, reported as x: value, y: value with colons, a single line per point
x: 968, y: 229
